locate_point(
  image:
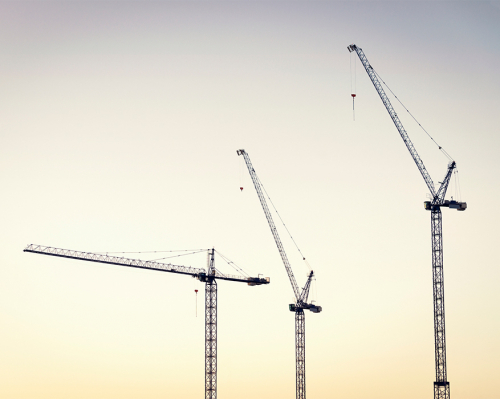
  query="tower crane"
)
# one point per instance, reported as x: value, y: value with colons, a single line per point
x: 209, y: 277
x: 300, y: 296
x: 441, y: 385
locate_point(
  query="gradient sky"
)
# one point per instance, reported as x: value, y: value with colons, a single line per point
x: 119, y: 126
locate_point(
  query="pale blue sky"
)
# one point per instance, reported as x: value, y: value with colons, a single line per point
x: 120, y: 123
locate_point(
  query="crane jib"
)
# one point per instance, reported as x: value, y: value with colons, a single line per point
x: 404, y: 135
x: 270, y: 221
x: 437, y: 196
x: 200, y: 274
x: 301, y: 298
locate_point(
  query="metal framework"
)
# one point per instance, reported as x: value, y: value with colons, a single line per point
x: 301, y: 297
x: 211, y: 340
x: 272, y: 226
x: 300, y: 353
x: 394, y: 117
x: 441, y: 385
x: 200, y: 274
x: 208, y: 277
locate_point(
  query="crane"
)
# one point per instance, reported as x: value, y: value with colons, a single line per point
x: 441, y: 385
x: 209, y: 277
x: 300, y: 296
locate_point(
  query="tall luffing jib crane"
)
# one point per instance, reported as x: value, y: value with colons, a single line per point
x: 209, y: 277
x: 301, y: 296
x: 441, y: 385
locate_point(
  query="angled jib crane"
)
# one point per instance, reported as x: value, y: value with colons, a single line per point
x: 441, y: 385
x: 301, y: 297
x: 209, y: 277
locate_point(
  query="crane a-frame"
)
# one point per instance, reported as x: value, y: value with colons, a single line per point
x: 209, y: 277
x: 301, y: 297
x: 441, y: 385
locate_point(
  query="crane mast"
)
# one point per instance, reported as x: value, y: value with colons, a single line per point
x: 441, y: 385
x: 211, y: 333
x: 209, y: 277
x: 301, y: 297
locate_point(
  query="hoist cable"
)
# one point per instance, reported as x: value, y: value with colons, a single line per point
x: 455, y: 181
x: 350, y: 68
x: 286, y: 228
x: 177, y: 256
x: 354, y: 74
x: 190, y: 252
x: 314, y: 290
x: 457, y: 185
x: 353, y: 92
x: 152, y: 252
x: 440, y: 147
x: 232, y: 264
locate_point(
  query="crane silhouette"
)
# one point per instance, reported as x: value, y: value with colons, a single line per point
x: 441, y: 385
x: 208, y: 276
x: 300, y: 296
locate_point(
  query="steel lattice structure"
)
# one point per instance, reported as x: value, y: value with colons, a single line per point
x: 208, y: 277
x: 441, y: 385
x: 211, y: 340
x: 301, y: 297
x: 300, y: 353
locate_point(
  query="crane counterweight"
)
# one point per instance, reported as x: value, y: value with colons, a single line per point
x: 459, y: 206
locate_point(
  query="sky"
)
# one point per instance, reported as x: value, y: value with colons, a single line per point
x: 119, y: 127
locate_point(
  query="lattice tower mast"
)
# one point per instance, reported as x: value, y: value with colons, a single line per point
x: 441, y: 385
x: 209, y: 277
x: 301, y: 297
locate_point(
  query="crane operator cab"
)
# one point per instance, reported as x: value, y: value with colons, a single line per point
x: 459, y: 206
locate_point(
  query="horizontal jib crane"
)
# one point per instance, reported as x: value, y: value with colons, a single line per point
x: 209, y: 277
x: 200, y: 274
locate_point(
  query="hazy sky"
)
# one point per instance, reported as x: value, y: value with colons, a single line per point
x: 119, y: 126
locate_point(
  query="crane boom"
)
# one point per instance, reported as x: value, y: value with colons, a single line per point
x: 301, y: 298
x: 200, y: 274
x: 441, y: 385
x: 272, y: 226
x: 394, y: 116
